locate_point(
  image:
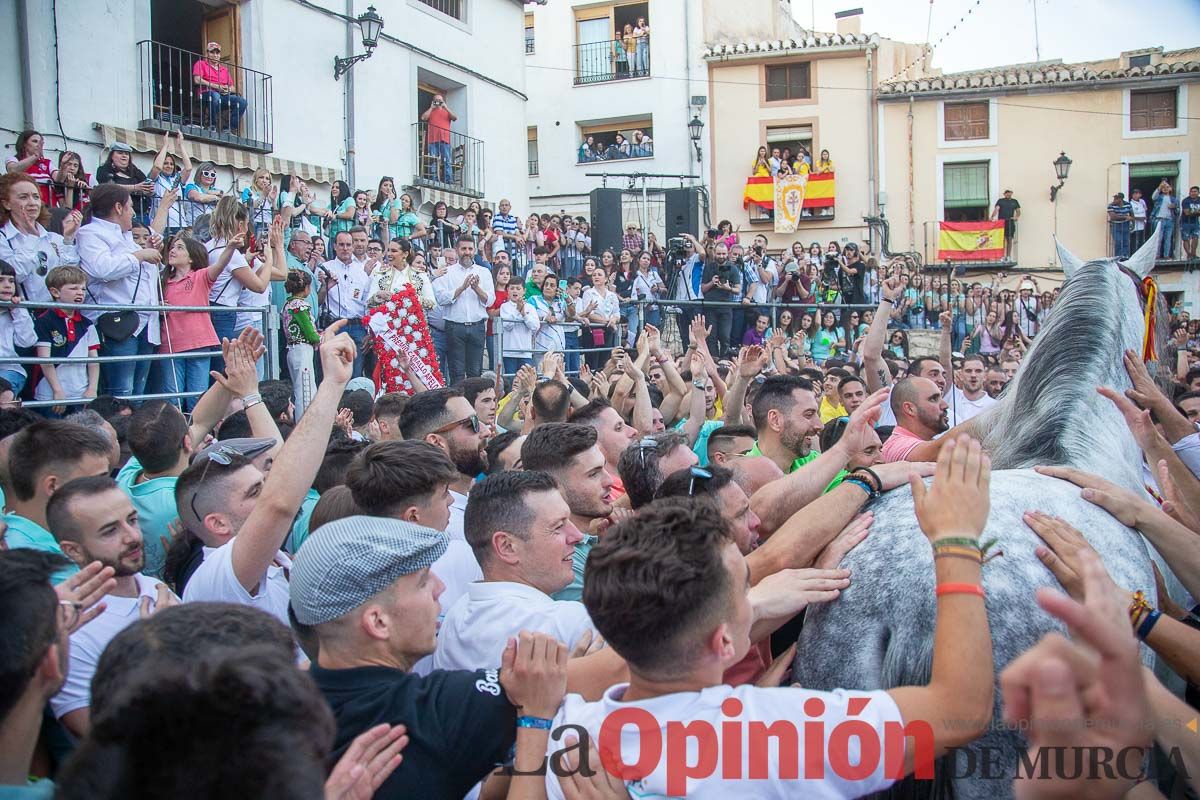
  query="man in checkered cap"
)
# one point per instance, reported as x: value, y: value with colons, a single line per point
x: 362, y: 592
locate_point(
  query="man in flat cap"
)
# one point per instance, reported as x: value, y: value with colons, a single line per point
x: 361, y: 588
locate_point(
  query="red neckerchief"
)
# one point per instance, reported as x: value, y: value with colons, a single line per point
x: 70, y: 320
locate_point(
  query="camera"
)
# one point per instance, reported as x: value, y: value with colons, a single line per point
x: 713, y: 233
x: 758, y: 249
x: 675, y: 243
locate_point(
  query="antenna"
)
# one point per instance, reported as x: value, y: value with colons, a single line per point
x: 1037, y: 45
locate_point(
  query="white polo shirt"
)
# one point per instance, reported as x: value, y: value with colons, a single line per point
x: 458, y: 510
x: 963, y: 408
x: 766, y: 706
x: 347, y: 299
x: 457, y: 569
x: 477, y: 627
x: 214, y: 581
x: 89, y: 642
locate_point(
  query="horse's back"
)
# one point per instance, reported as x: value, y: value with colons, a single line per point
x: 879, y: 633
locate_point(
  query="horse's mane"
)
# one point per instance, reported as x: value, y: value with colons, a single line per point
x: 1050, y: 414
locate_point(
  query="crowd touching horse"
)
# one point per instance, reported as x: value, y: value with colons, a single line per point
x: 879, y: 633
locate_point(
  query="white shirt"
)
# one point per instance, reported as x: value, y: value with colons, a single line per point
x: 767, y: 706
x: 644, y: 284
x: 347, y: 299
x: 519, y: 328
x: 89, y: 642
x: 759, y: 291
x: 226, y: 289
x: 457, y: 569
x: 214, y: 581
x: 106, y: 255
x: 607, y: 306
x: 163, y: 184
x: 16, y: 328
x: 28, y: 253
x: 457, y: 510
x: 251, y: 299
x: 71, y: 372
x: 1188, y: 450
x: 467, y: 307
x: 1139, y: 214
x: 476, y: 628
x: 963, y: 408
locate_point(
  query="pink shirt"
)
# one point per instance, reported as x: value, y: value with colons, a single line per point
x: 188, y: 330
x: 218, y: 76
x: 899, y: 445
x: 439, y: 126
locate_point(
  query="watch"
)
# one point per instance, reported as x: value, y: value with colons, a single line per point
x: 699, y: 383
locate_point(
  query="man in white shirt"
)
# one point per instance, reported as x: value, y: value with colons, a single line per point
x: 465, y: 292
x: 521, y: 531
x: 120, y: 273
x: 243, y: 563
x: 447, y: 420
x: 1137, y: 236
x: 93, y: 520
x: 972, y: 399
x: 344, y: 288
x: 679, y: 559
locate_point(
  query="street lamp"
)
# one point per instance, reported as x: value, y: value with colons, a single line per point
x: 695, y: 129
x: 371, y: 24
x: 1062, y: 168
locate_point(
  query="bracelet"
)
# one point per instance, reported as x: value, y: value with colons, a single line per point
x: 540, y: 723
x: 1148, y: 624
x: 957, y: 541
x: 962, y: 551
x: 953, y: 553
x: 1137, y: 607
x: 699, y: 384
x: 251, y: 400
x: 958, y: 588
x: 887, y: 300
x: 875, y: 481
x: 860, y: 483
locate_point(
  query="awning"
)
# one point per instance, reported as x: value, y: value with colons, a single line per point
x: 1156, y: 169
x: 144, y: 142
x: 454, y: 200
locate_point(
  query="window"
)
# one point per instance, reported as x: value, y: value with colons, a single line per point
x: 1139, y: 61
x: 966, y: 192
x: 533, y: 152
x: 529, y: 33
x: 788, y: 82
x: 600, y: 142
x: 965, y: 121
x: 1152, y: 110
x: 451, y: 8
x: 606, y: 45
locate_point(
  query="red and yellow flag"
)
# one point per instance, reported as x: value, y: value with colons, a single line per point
x: 970, y: 241
x: 761, y: 192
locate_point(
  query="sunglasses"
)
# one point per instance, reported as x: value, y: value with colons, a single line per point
x: 222, y: 456
x: 644, y: 446
x: 471, y: 421
x: 209, y: 173
x: 43, y: 260
x: 701, y: 473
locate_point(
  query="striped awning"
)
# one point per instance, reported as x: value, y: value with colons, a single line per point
x: 455, y: 200
x: 144, y: 142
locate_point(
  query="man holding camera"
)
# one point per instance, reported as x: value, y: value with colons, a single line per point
x: 721, y: 280
x: 760, y: 274
x: 437, y: 119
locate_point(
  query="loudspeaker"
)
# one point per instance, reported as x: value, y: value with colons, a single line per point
x: 607, y: 230
x: 683, y: 211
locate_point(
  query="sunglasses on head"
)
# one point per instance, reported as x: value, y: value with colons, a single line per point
x: 646, y: 445
x: 702, y: 474
x: 471, y: 421
x: 222, y: 456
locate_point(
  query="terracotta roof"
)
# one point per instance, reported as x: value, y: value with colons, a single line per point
x: 1042, y: 73
x: 784, y: 46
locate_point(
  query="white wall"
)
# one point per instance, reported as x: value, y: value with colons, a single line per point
x: 556, y: 106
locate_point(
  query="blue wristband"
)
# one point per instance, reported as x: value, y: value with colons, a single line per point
x: 541, y: 723
x: 1147, y: 624
x: 860, y: 483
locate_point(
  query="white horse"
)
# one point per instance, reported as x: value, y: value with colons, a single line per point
x: 879, y: 633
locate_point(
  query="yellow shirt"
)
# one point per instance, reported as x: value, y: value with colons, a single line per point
x: 824, y: 166
x: 831, y: 412
x: 800, y: 167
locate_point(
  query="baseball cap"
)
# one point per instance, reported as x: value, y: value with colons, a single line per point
x: 361, y: 384
x: 349, y: 561
x: 248, y: 447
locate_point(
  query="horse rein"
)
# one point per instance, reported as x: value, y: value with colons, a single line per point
x: 1148, y: 292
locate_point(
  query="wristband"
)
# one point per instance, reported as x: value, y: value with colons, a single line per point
x: 887, y: 300
x: 860, y: 483
x: 1148, y: 624
x: 956, y: 541
x: 953, y: 550
x: 540, y: 723
x: 251, y: 400
x: 958, y: 588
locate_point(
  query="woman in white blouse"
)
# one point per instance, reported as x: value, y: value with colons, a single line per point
x: 397, y: 272
x: 31, y: 249
x: 604, y: 317
x: 647, y: 285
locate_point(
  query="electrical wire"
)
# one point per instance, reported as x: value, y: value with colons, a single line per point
x: 927, y: 50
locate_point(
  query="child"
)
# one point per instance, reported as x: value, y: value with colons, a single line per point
x: 66, y: 336
x: 16, y: 328
x: 518, y: 323
x: 140, y: 233
x: 302, y: 336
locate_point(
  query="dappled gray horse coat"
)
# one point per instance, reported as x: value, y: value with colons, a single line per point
x: 879, y: 633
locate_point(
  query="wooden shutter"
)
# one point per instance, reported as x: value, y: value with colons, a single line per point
x: 1152, y: 110
x: 788, y: 82
x: 966, y: 121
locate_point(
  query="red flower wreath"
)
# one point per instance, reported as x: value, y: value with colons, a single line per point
x: 406, y: 323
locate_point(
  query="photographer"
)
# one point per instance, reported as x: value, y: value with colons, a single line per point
x: 853, y: 271
x: 760, y: 274
x: 796, y: 283
x: 685, y: 274
x: 831, y: 288
x: 437, y: 119
x: 720, y: 282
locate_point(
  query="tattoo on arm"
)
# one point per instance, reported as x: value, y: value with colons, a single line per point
x: 884, y: 377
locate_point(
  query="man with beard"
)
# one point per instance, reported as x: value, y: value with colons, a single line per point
x: 972, y: 400
x: 570, y: 454
x: 996, y: 381
x: 721, y: 280
x: 445, y: 419
x: 785, y: 415
x: 93, y: 520
x: 921, y: 414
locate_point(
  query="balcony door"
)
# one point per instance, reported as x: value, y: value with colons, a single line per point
x: 594, y: 51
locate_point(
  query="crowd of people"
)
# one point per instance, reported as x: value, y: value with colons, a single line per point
x: 309, y: 587
x: 1132, y: 221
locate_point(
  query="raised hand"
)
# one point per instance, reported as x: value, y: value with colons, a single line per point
x: 241, y: 376
x: 849, y: 538
x: 371, y: 758
x: 891, y: 288
x: 85, y: 591
x: 337, y: 354
x: 751, y: 361
x: 1138, y: 420
x: 957, y: 503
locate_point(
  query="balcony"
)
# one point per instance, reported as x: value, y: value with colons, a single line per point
x: 820, y: 195
x: 614, y: 152
x: 601, y: 62
x: 968, y: 251
x: 169, y: 101
x: 454, y: 166
x: 1130, y: 240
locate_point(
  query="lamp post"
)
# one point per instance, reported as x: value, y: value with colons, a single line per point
x: 371, y: 24
x: 1062, y: 168
x: 695, y: 130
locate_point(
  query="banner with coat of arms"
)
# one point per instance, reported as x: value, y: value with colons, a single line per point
x: 789, y: 199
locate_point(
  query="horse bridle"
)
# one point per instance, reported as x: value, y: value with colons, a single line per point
x: 1148, y: 294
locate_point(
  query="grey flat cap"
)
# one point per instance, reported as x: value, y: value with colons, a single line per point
x: 120, y: 147
x: 349, y: 561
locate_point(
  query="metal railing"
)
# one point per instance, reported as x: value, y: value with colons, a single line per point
x: 456, y: 165
x: 170, y: 100
x: 533, y: 167
x: 931, y: 232
x: 613, y: 151
x: 1123, y: 241
x: 270, y: 336
x: 759, y: 214
x: 601, y: 62
x: 451, y: 8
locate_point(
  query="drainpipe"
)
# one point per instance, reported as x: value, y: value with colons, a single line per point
x: 349, y: 96
x: 872, y: 131
x: 912, y: 231
x: 26, y: 71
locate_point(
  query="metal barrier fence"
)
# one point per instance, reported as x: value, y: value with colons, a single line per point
x: 270, y: 331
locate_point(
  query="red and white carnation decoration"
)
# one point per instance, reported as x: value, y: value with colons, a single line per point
x: 402, y: 336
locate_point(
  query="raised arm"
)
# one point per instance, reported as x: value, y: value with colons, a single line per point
x: 874, y: 369
x: 294, y: 470
x: 161, y: 215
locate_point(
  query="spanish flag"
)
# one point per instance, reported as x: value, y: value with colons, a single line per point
x: 971, y: 241
x: 761, y: 192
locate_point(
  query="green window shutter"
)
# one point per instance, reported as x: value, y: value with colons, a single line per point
x: 1157, y: 169
x: 966, y: 185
